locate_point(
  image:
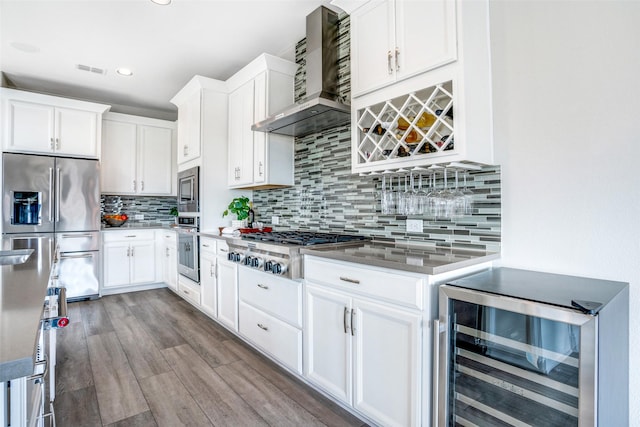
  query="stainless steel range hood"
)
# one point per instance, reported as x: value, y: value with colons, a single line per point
x: 321, y: 109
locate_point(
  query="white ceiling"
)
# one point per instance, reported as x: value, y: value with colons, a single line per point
x: 43, y: 41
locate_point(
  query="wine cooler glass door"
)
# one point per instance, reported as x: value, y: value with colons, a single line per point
x: 508, y: 361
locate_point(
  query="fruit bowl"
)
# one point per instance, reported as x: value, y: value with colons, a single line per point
x: 115, y: 220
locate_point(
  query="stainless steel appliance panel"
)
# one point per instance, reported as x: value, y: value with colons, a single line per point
x: 188, y: 255
x: 78, y: 272
x: 77, y: 195
x: 188, y: 190
x: 79, y: 241
x: 28, y: 188
x: 508, y: 360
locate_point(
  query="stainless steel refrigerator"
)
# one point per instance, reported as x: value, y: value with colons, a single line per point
x: 58, y: 197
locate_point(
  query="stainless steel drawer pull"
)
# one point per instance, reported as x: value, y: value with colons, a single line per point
x: 346, y: 279
x: 261, y: 326
x: 224, y: 250
x: 205, y: 245
x: 65, y: 256
x: 131, y: 235
x: 261, y: 286
x: 353, y: 322
x: 344, y: 319
x: 76, y: 236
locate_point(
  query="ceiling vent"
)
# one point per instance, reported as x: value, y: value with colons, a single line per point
x: 95, y: 70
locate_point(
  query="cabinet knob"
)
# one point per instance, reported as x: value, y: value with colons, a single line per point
x: 57, y: 143
x: 260, y: 166
x: 51, y: 143
x: 185, y: 150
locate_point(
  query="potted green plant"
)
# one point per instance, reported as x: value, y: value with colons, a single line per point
x: 174, y: 212
x: 239, y: 206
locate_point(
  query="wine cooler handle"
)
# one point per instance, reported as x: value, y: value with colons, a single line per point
x: 436, y: 365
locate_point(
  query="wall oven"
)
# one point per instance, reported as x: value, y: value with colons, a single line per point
x: 189, y: 247
x: 188, y: 181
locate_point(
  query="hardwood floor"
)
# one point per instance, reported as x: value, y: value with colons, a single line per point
x: 150, y: 359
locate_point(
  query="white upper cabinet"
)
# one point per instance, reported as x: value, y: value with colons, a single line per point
x: 36, y: 123
x: 393, y: 40
x: 434, y: 105
x: 259, y: 160
x: 197, y: 97
x: 138, y: 156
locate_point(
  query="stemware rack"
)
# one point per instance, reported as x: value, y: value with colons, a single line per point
x: 416, y: 125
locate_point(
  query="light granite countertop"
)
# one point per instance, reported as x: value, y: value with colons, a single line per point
x: 401, y: 256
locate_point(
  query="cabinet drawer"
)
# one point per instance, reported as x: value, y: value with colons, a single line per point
x: 208, y: 245
x: 189, y: 292
x: 276, y: 295
x: 120, y: 235
x: 281, y: 340
x: 387, y: 285
x: 169, y: 237
x: 222, y: 249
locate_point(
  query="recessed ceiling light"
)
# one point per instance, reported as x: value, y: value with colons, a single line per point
x: 162, y: 2
x: 124, y: 72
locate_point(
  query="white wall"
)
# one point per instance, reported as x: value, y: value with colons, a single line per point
x: 567, y: 134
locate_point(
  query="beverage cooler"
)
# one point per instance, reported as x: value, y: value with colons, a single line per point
x: 517, y: 347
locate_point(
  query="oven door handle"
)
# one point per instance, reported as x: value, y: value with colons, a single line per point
x: 61, y: 320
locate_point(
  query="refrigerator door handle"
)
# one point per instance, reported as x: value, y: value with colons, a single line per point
x: 50, y: 194
x: 57, y: 194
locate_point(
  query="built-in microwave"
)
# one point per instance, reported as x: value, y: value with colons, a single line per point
x: 188, y: 190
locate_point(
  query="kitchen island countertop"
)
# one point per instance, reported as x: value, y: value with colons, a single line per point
x: 23, y: 288
x: 422, y: 259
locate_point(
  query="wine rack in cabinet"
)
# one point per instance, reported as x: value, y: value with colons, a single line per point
x: 416, y: 126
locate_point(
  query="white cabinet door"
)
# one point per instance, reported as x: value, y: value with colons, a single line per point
x: 425, y: 35
x: 228, y: 294
x: 372, y: 46
x: 31, y: 127
x: 172, y: 268
x: 143, y: 262
x: 189, y: 129
x: 155, y: 160
x: 387, y: 363
x: 118, y: 162
x: 241, y: 106
x: 328, y: 342
x: 116, y: 264
x: 208, y: 285
x: 393, y: 40
x: 260, y: 138
x: 76, y: 132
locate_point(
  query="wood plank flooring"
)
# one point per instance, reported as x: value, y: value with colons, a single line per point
x: 150, y: 359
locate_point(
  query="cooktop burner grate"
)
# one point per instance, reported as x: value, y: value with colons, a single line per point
x: 302, y: 238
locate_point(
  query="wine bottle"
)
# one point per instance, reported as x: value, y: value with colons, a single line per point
x: 448, y: 114
x: 377, y: 128
x: 252, y: 216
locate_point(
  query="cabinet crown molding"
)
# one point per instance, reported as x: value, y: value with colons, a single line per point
x: 52, y: 100
x: 196, y: 84
x: 263, y: 62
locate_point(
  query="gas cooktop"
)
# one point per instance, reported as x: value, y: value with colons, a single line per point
x: 302, y: 238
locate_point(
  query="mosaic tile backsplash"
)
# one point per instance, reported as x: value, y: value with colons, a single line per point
x: 155, y: 209
x: 328, y: 197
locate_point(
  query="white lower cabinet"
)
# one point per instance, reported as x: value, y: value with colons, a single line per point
x: 168, y: 258
x: 227, y: 289
x: 129, y: 258
x: 189, y: 290
x: 208, y: 277
x: 365, y: 353
x: 270, y: 315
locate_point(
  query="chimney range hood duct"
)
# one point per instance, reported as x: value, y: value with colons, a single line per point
x: 322, y: 108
